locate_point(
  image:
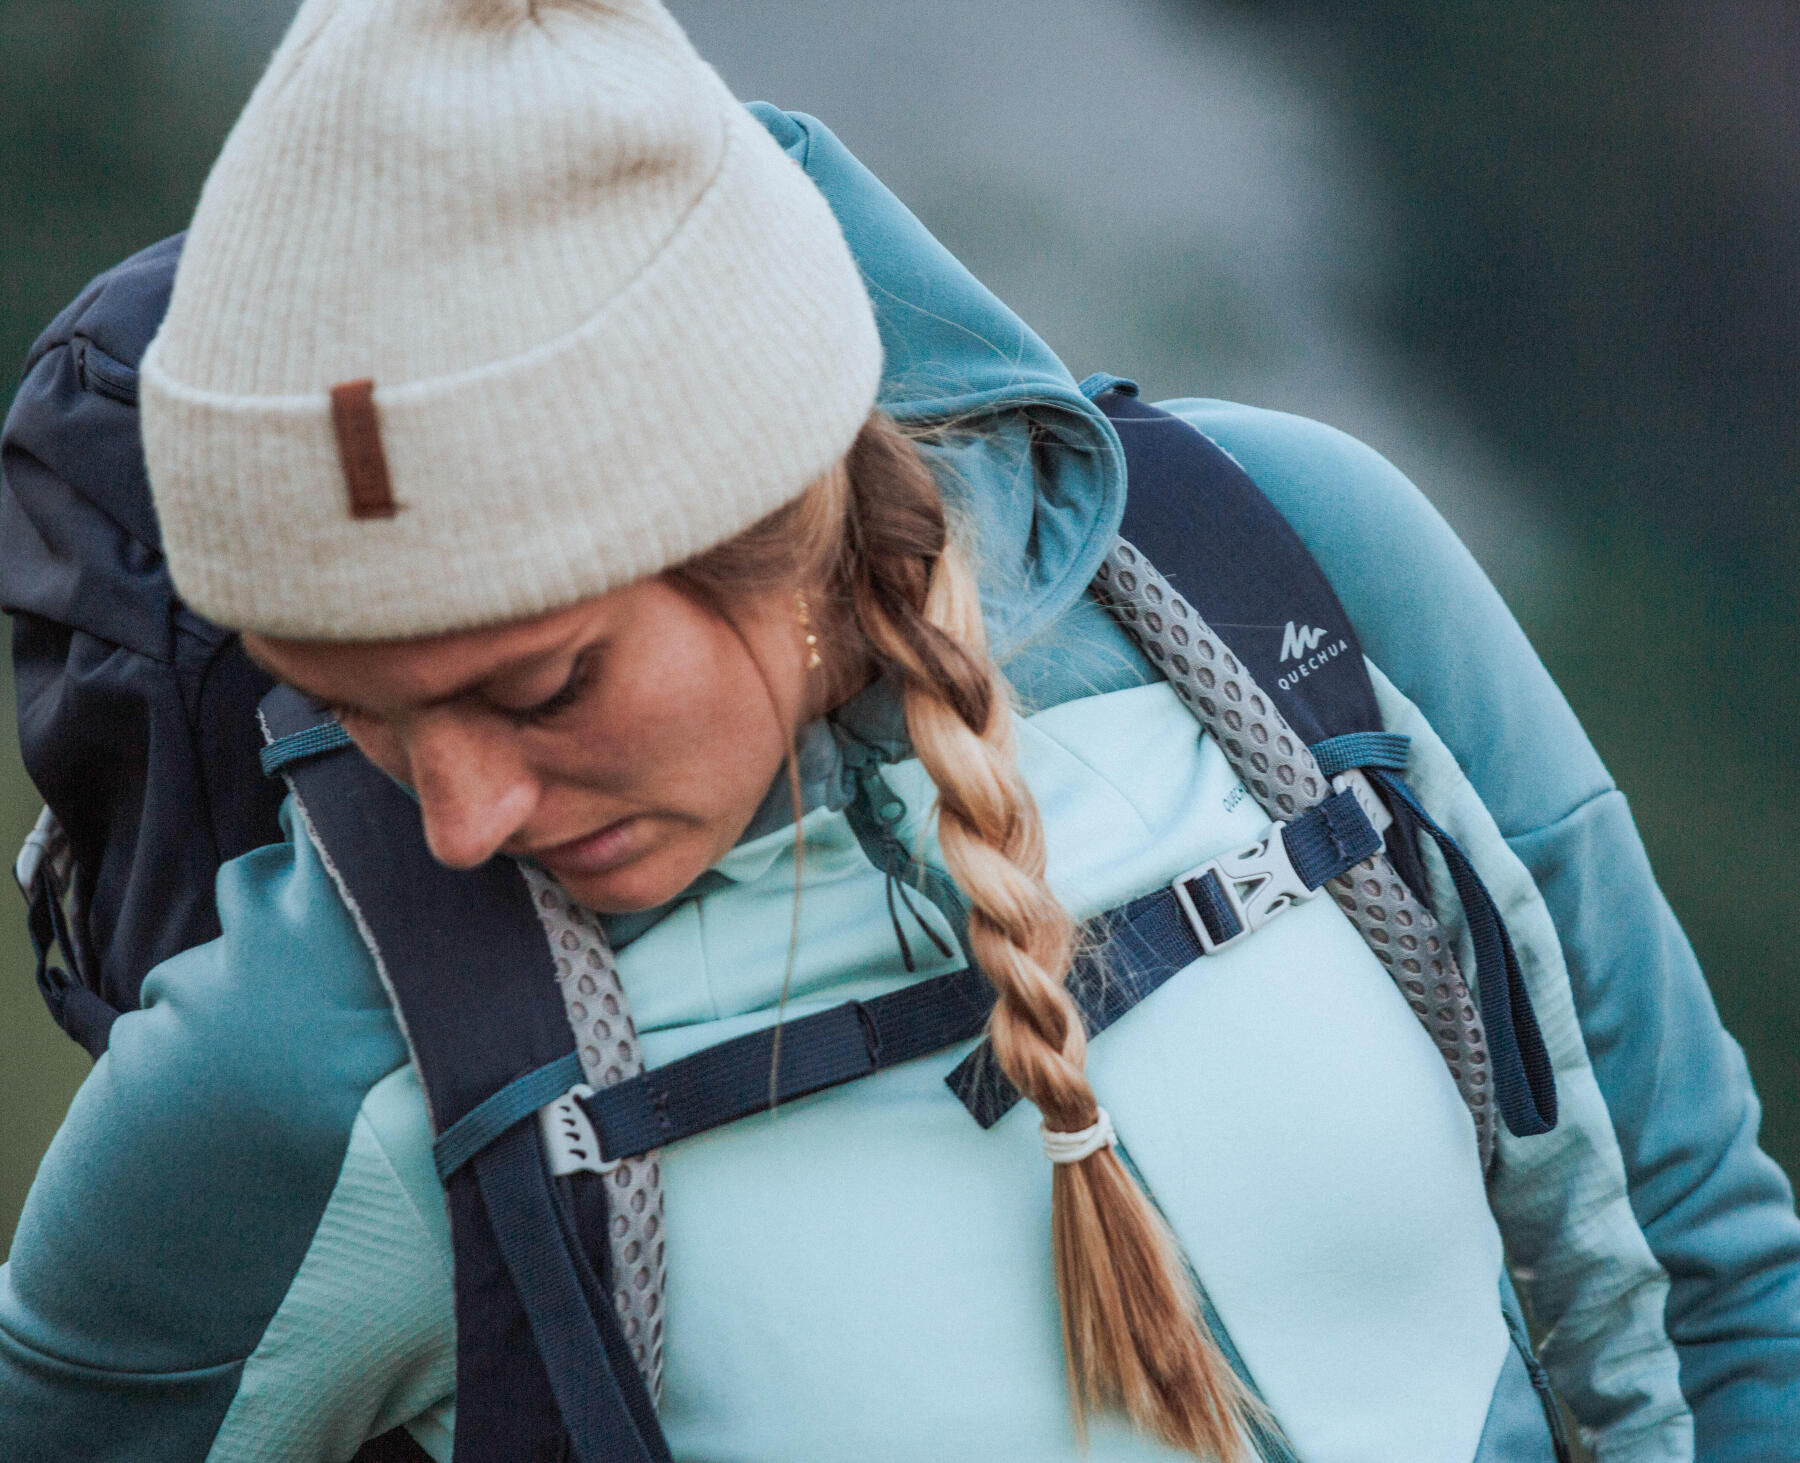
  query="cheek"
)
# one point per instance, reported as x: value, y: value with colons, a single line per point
x: 686, y: 722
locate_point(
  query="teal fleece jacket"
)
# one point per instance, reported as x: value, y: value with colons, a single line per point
x: 180, y: 1200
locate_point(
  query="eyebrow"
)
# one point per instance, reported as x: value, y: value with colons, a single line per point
x: 476, y: 688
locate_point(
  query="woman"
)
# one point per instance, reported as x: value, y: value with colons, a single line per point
x: 521, y: 401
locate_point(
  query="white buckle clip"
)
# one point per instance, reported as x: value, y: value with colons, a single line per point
x: 46, y: 844
x: 570, y: 1145
x: 1250, y: 885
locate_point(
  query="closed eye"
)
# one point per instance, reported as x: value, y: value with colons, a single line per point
x: 581, y: 677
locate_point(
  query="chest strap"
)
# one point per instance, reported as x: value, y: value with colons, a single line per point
x: 1145, y: 942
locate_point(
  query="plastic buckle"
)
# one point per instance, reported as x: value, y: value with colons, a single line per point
x: 46, y: 845
x: 570, y: 1144
x: 1237, y: 893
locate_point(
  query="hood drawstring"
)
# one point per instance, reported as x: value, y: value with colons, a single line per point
x: 875, y: 810
x: 906, y: 955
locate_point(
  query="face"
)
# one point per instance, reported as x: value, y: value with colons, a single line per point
x: 623, y: 743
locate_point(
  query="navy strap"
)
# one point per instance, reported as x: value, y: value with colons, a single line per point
x: 732, y: 1080
x: 1194, y: 512
x: 1329, y: 838
x: 1524, y: 1081
x: 1145, y: 942
x: 581, y: 1357
x: 1363, y: 749
x: 1225, y: 548
x: 1149, y: 940
x: 313, y: 741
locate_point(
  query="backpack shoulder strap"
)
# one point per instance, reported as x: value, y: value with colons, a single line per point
x: 1226, y: 548
x: 1230, y: 605
x: 541, y: 1362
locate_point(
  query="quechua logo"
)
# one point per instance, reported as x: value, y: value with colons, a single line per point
x: 1298, y: 641
x: 1302, y: 644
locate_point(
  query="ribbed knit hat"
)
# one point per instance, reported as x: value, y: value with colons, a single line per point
x: 489, y: 306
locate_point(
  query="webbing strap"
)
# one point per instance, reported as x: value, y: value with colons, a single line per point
x: 313, y: 741
x: 513, y: 1103
x: 1146, y: 942
x: 572, y: 1344
x: 1363, y: 749
x: 1524, y: 1081
x: 732, y: 1080
x: 1329, y: 838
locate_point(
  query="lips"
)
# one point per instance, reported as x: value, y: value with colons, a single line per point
x: 596, y: 853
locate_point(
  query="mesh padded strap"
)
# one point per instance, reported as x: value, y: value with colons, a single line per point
x: 539, y: 1361
x: 578, y: 1342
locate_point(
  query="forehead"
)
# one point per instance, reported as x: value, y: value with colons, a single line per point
x: 438, y: 667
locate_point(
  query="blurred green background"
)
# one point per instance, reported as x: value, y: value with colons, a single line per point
x: 1541, y: 254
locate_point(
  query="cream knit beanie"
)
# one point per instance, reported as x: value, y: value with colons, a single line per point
x: 488, y: 306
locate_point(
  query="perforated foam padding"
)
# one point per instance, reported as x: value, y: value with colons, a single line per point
x: 607, y: 1043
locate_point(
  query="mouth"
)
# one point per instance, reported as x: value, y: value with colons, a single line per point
x: 597, y: 852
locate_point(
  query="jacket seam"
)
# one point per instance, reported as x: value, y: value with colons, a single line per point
x: 1609, y: 791
x: 387, y: 1159
x: 144, y: 1374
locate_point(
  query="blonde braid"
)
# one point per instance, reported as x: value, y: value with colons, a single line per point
x: 1132, y: 1332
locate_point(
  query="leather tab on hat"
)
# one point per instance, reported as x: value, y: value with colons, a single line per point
x: 359, y: 449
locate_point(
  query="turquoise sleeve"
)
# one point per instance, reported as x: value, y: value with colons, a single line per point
x: 1717, y: 1212
x: 179, y: 1198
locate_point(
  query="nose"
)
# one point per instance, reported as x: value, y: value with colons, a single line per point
x: 475, y: 790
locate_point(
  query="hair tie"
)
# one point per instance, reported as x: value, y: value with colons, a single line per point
x: 1073, y: 1147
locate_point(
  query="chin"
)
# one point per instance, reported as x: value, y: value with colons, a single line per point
x: 644, y: 883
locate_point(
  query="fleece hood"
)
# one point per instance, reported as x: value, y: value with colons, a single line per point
x: 1037, y: 473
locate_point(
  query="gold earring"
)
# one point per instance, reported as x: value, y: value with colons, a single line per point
x: 803, y: 612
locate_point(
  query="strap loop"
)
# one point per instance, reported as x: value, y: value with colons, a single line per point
x: 513, y: 1103
x: 302, y: 746
x: 1330, y: 838
x: 1363, y: 749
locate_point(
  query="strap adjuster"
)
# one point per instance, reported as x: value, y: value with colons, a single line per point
x: 1237, y: 893
x: 570, y: 1143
